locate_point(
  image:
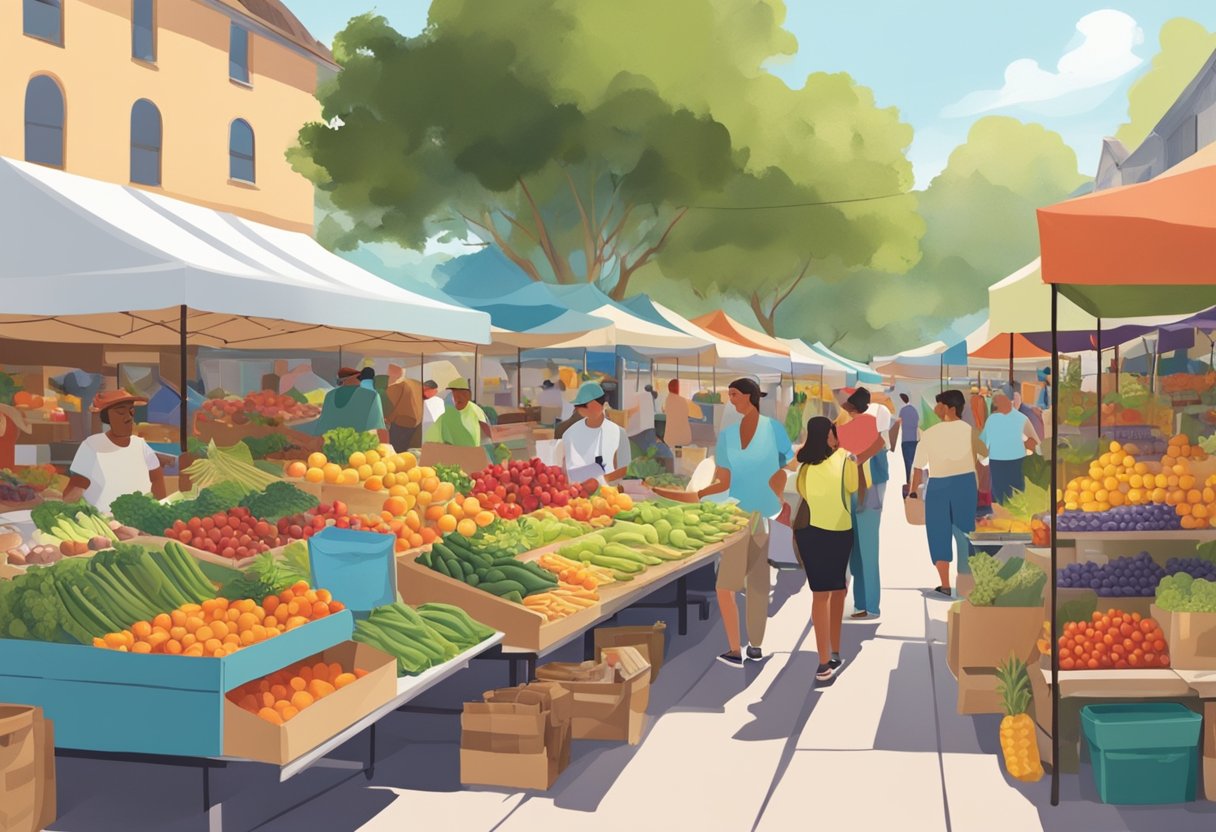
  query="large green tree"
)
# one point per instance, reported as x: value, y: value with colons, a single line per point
x: 1185, y: 46
x: 578, y: 140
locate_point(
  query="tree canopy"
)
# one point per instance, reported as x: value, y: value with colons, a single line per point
x: 1185, y: 47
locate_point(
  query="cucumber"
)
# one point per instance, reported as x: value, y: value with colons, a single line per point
x: 441, y: 566
x: 495, y: 574
x: 531, y: 582
x: 502, y: 587
x: 514, y: 597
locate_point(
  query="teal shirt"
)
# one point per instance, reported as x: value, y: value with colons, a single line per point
x: 1005, y: 434
x: 752, y: 467
x: 348, y: 407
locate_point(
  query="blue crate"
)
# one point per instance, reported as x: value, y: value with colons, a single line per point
x: 106, y: 700
x: 1143, y: 753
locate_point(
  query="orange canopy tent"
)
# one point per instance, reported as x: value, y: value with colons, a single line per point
x: 721, y: 324
x: 1138, y: 250
x: 1000, y: 348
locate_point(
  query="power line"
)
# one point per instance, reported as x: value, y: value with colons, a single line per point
x: 797, y: 204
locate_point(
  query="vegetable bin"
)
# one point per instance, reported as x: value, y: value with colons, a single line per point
x: 1143, y: 753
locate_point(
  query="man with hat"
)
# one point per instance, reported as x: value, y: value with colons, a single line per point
x: 596, y: 448
x: 350, y: 405
x: 432, y: 405
x: 117, y: 462
x: 464, y: 424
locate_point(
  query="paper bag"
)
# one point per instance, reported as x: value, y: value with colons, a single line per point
x: 649, y: 641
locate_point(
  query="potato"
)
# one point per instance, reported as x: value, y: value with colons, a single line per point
x: 99, y: 543
x: 17, y: 559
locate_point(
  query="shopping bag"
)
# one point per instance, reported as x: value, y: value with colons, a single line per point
x: 781, y: 554
x: 914, y: 511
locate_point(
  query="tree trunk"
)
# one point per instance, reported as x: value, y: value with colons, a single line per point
x: 765, y: 319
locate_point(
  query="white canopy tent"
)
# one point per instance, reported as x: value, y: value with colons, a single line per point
x: 92, y: 262
x: 647, y: 338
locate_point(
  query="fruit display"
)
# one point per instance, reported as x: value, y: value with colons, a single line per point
x: 666, y: 481
x: 342, y: 443
x: 1188, y: 383
x: 234, y: 534
x: 1040, y: 533
x: 25, y: 484
x: 420, y: 639
x: 460, y: 481
x: 279, y: 499
x: 1139, y: 518
x: 217, y: 627
x: 379, y: 469
x: 1196, y: 567
x: 78, y: 600
x: 1121, y: 577
x: 229, y: 465
x: 532, y: 531
x: 520, y: 487
x: 459, y: 515
x: 283, y: 694
x: 491, y: 570
x: 598, y: 510
x: 1014, y: 583
x: 15, y: 492
x: 1113, y: 640
x: 1183, y: 593
x: 151, y: 516
x: 262, y: 408
x: 1019, y: 746
x: 576, y: 572
x: 1001, y: 525
x: 39, y: 554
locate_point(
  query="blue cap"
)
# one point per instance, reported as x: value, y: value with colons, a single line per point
x: 588, y: 391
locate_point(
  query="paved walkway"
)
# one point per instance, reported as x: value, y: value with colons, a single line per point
x: 761, y: 749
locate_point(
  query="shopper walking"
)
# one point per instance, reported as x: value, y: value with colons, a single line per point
x: 860, y: 437
x: 909, y: 426
x: 950, y: 453
x: 1008, y: 435
x: 823, y: 534
x: 678, y: 430
x: 750, y: 459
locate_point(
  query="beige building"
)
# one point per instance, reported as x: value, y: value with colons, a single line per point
x: 196, y: 99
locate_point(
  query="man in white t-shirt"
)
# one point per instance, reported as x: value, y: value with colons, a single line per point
x: 432, y: 405
x: 596, y: 448
x: 117, y: 462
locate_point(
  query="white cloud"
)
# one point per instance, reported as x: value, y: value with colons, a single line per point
x: 1104, y: 55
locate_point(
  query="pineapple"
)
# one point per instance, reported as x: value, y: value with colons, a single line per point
x: 1019, y: 745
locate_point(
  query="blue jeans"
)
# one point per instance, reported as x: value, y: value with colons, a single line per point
x: 863, y: 563
x: 949, y: 514
x: 909, y: 449
x: 1007, y: 477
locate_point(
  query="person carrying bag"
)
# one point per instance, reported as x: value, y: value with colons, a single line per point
x: 824, y: 534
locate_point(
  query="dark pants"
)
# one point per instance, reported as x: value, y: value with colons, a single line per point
x: 1007, y: 477
x: 909, y: 449
x: 403, y: 439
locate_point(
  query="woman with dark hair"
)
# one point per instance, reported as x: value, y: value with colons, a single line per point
x: 678, y: 430
x: 751, y: 459
x: 823, y: 534
x: 860, y: 436
x: 950, y: 451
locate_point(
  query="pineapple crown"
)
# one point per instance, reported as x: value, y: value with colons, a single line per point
x: 1013, y: 684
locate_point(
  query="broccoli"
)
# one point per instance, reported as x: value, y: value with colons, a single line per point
x: 143, y: 512
x: 30, y: 608
x: 280, y: 499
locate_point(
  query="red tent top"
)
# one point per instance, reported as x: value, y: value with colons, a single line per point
x: 998, y: 349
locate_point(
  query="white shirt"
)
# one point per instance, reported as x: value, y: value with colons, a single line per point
x: 550, y: 397
x: 884, y: 418
x: 583, y: 444
x: 949, y: 449
x: 432, y: 409
x: 113, y: 470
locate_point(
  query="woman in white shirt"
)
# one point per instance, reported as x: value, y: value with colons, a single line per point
x: 117, y: 462
x: 950, y: 451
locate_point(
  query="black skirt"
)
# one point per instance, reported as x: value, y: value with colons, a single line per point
x: 825, y: 557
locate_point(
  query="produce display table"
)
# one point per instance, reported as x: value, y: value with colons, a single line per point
x: 408, y: 689
x: 1119, y: 684
x: 1197, y: 535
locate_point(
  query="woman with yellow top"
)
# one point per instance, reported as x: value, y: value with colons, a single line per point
x: 823, y: 534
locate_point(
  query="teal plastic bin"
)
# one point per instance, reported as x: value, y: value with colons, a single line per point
x: 358, y: 568
x: 1143, y: 753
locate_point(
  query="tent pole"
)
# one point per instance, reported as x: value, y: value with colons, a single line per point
x: 713, y: 372
x: 652, y: 372
x: 1055, y: 469
x: 339, y: 356
x: 476, y: 370
x: 519, y: 378
x: 584, y: 361
x: 1011, y: 362
x: 1099, y: 342
x: 820, y: 396
x: 184, y: 404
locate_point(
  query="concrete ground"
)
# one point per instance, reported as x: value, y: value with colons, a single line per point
x: 724, y: 749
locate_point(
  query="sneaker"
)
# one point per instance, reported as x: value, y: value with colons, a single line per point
x: 731, y: 659
x: 944, y: 591
x: 836, y: 664
x: 860, y: 615
x: 825, y: 673
x: 754, y: 654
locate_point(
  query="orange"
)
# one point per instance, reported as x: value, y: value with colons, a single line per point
x: 302, y: 699
x: 389, y: 480
x: 467, y: 527
x: 455, y: 509
x: 395, y: 506
x: 398, y: 490
x: 349, y: 476
x: 343, y: 679
x: 434, y: 512
x: 372, y: 457
x: 484, y: 518
x: 447, y: 524
x: 1194, y: 496
x: 374, y: 484
x: 417, y: 540
x: 357, y: 459
x: 407, y: 461
x: 296, y: 469
x: 471, y: 506
x: 365, y: 471
x: 430, y: 484
x: 317, y: 460
x: 314, y: 475
x: 445, y: 491
x: 332, y: 472
x: 424, y: 498
x: 412, y: 521
x: 271, y: 715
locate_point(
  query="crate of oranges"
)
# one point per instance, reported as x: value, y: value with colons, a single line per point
x: 285, y: 714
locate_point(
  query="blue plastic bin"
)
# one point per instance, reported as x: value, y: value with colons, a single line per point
x: 358, y: 568
x: 1143, y: 753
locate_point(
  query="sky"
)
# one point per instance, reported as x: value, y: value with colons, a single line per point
x: 1066, y: 64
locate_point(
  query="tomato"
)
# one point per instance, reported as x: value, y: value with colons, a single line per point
x: 1147, y: 625
x: 1164, y: 661
x: 229, y: 552
x: 1066, y: 663
x: 1134, y: 659
x: 1125, y: 629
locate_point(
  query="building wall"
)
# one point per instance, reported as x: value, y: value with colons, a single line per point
x: 189, y: 83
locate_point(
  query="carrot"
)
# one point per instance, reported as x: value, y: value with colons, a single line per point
x: 320, y: 689
x: 270, y: 604
x: 302, y: 699
x: 343, y: 679
x: 271, y: 715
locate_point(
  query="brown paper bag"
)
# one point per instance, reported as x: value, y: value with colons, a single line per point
x: 649, y: 641
x: 22, y: 765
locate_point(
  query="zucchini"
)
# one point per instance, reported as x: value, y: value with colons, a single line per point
x: 501, y: 588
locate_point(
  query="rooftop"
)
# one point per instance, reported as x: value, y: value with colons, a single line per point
x: 276, y: 15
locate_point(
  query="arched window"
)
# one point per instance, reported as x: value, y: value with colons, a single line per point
x: 146, y: 137
x: 44, y: 114
x: 43, y: 19
x: 143, y: 30
x: 240, y: 152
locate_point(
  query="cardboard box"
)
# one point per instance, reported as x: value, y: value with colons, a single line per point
x: 27, y: 769
x: 952, y: 619
x: 518, y: 738
x: 1209, y: 750
x: 988, y: 635
x: 977, y: 692
x: 248, y: 735
x: 1190, y: 636
x: 649, y: 641
x: 613, y: 710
